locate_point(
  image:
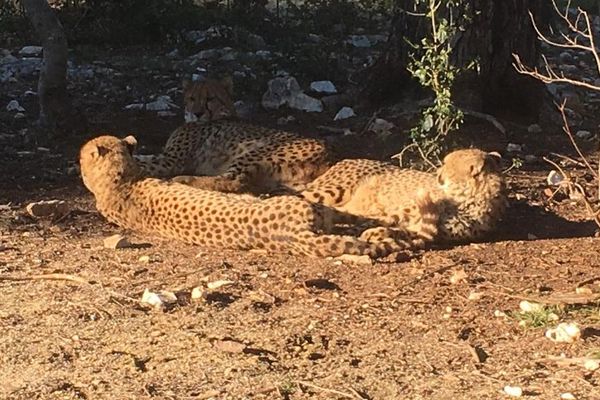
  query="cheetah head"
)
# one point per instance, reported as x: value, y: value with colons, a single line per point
x: 468, y: 168
x: 208, y: 100
x: 106, y: 161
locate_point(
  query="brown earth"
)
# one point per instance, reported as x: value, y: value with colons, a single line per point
x: 289, y: 328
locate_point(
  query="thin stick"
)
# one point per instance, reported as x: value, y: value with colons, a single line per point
x: 574, y: 161
x: 343, y: 394
x: 567, y: 130
x: 46, y: 277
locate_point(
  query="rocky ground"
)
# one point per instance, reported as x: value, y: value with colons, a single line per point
x: 467, y: 322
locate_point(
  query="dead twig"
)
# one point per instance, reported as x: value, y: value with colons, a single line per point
x: 567, y: 130
x: 587, y: 44
x: 47, y: 277
x: 64, y: 277
x: 574, y: 161
x: 486, y: 117
x: 322, y: 389
x: 573, y: 186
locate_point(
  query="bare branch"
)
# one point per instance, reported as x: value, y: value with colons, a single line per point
x: 567, y: 130
x: 550, y: 76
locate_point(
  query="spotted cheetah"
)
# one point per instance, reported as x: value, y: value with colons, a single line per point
x: 215, y: 151
x: 224, y: 220
x: 468, y: 190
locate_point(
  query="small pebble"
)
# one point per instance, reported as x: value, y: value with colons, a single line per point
x: 513, y: 391
x: 116, y: 242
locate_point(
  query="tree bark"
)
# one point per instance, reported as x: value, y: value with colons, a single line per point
x: 494, y: 31
x: 55, y: 105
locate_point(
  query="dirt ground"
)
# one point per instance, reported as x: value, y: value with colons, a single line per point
x: 286, y: 327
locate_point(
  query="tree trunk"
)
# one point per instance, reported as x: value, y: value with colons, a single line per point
x: 55, y: 106
x: 494, y: 30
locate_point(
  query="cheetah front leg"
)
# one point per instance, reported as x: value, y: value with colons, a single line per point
x: 219, y: 183
x: 417, y: 224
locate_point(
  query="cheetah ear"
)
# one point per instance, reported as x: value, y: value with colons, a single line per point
x: 131, y: 143
x: 102, y: 151
x: 493, y: 160
x: 227, y: 82
x: 477, y: 167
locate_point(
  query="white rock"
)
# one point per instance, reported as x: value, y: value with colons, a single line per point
x: 173, y: 54
x: 159, y: 299
x: 528, y: 306
x: 31, y: 51
x: 591, y: 364
x: 514, y: 148
x: 568, y: 396
x: 218, y: 284
x: 314, y: 38
x: 285, y: 90
x: 583, y: 134
x: 264, y: 54
x: 47, y: 208
x: 280, y: 91
x: 513, y: 391
x: 458, y: 276
x: 534, y: 128
x: 134, y: 106
x: 554, y: 178
x: 359, y: 41
x: 306, y: 103
x: 197, y: 293
x: 14, y: 105
x: 19, y: 116
x: 116, y: 242
x: 374, y: 39
x: 499, y: 314
x: 345, y: 112
x: 162, y: 103
x: 323, y: 87
x: 564, y: 333
x: 474, y: 296
x: 381, y: 127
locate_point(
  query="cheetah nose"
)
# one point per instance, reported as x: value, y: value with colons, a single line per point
x: 190, y: 117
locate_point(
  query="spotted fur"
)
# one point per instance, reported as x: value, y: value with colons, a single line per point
x: 468, y: 191
x: 223, y: 220
x: 220, y: 153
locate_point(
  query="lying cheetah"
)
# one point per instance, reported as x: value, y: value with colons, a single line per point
x: 216, y: 152
x: 224, y: 220
x: 468, y: 190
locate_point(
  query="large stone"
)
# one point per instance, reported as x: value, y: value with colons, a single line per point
x: 306, y: 103
x: 280, y: 91
x: 285, y: 90
x: 344, y: 113
x: 31, y: 51
x: 323, y: 87
x: 359, y: 41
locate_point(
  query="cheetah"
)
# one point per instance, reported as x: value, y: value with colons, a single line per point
x: 126, y: 197
x: 468, y: 190
x: 215, y: 151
